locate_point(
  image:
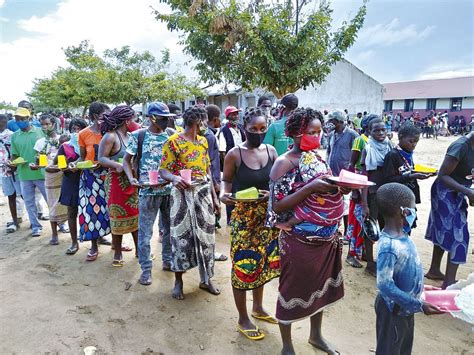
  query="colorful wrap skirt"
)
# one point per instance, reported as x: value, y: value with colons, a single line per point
x: 52, y: 183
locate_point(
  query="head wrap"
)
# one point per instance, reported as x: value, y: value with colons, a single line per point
x: 116, y: 118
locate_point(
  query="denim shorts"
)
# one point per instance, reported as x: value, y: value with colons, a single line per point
x: 11, y: 186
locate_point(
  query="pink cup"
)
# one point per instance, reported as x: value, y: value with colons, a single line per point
x: 186, y: 175
x: 153, y: 177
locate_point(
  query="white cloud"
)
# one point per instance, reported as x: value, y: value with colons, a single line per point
x: 4, y: 19
x: 445, y: 71
x: 2, y: 2
x: 106, y: 24
x: 392, y: 33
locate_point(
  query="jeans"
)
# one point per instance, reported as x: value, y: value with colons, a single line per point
x: 148, y: 207
x: 28, y: 189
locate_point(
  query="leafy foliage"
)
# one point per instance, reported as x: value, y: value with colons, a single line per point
x: 279, y: 46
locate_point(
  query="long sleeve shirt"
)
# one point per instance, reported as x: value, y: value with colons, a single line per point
x: 399, y: 274
x: 213, y: 151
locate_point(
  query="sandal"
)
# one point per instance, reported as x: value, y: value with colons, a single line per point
x: 251, y: 337
x: 124, y: 248
x: 92, y: 256
x: 268, y: 318
x: 72, y: 250
x: 118, y: 263
x: 219, y: 257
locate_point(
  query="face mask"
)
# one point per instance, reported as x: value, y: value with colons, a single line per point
x: 255, y: 139
x: 266, y: 111
x: 410, y: 215
x: 48, y: 131
x: 233, y: 121
x: 330, y: 127
x: 162, y: 123
x: 23, y: 124
x: 309, y: 142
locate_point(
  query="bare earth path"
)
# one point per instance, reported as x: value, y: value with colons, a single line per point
x: 53, y: 303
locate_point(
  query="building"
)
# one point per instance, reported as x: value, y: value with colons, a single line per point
x: 456, y: 96
x: 346, y: 87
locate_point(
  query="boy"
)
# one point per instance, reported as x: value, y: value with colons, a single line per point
x: 399, y: 273
x: 146, y: 145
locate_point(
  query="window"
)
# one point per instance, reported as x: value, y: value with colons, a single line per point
x: 431, y: 104
x: 456, y: 104
x: 409, y: 103
x: 388, y: 104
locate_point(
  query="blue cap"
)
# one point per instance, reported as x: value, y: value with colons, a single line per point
x: 159, y: 109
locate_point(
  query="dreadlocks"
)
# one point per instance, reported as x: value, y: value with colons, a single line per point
x: 116, y: 118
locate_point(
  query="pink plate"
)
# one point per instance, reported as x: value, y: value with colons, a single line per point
x: 350, y: 185
x: 444, y: 299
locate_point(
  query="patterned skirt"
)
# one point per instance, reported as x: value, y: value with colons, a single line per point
x: 122, y: 202
x: 57, y: 212
x: 447, y: 224
x: 354, y: 230
x: 253, y: 247
x: 311, y: 276
x: 192, y: 227
x: 93, y: 214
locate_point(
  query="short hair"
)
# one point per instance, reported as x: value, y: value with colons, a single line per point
x: 390, y: 197
x: 251, y: 113
x: 290, y: 101
x: 173, y: 108
x: 261, y: 99
x: 96, y: 108
x: 3, y: 117
x: 299, y: 120
x: 374, y: 121
x: 193, y: 114
x: 213, y: 111
x: 408, y: 130
x: 77, y: 122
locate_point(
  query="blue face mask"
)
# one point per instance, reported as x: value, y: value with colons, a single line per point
x: 23, y: 124
x: 410, y: 216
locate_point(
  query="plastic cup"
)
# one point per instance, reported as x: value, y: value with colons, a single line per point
x: 43, y: 160
x: 62, y: 164
x: 153, y: 177
x: 186, y: 175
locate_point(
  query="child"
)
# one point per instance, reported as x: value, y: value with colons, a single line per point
x: 398, y: 163
x: 399, y: 273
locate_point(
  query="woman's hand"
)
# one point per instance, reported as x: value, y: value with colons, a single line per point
x: 321, y: 186
x: 430, y: 309
x: 134, y: 182
x: 217, y: 205
x: 118, y: 168
x: 11, y: 166
x: 365, y: 210
x: 226, y: 200
x: 265, y: 193
x: 180, y: 184
x: 345, y: 190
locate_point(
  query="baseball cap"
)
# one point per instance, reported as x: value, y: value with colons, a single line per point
x: 337, y: 115
x: 230, y: 109
x: 290, y: 101
x: 22, y: 112
x: 159, y: 109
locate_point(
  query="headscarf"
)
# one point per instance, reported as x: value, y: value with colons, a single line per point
x: 116, y: 118
x: 376, y: 152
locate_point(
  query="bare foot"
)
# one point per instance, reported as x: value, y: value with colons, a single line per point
x: 210, y: 288
x: 371, y: 269
x: 435, y: 275
x: 352, y: 261
x: 288, y: 350
x: 321, y: 344
x: 178, y: 290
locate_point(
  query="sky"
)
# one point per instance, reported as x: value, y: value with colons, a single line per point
x: 401, y: 40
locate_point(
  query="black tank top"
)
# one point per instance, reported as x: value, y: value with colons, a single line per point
x: 246, y: 177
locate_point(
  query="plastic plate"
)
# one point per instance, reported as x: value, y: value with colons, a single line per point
x: 350, y: 185
x: 260, y: 197
x: 444, y: 299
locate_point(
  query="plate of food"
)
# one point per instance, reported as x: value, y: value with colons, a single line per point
x: 88, y: 164
x: 19, y: 161
x: 350, y: 180
x: 248, y: 195
x: 424, y: 169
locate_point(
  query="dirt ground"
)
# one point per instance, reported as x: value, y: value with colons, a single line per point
x: 53, y: 303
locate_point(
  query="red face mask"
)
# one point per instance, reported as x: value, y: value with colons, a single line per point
x: 309, y: 142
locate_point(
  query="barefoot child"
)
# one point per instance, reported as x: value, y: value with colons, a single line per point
x: 399, y: 273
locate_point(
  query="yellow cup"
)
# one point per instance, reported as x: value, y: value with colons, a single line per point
x: 43, y: 160
x: 62, y: 164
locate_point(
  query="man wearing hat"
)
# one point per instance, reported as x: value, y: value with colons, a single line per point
x: 276, y: 132
x: 232, y: 133
x: 22, y: 144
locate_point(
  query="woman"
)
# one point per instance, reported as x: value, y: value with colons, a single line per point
x: 49, y: 146
x: 254, y: 247
x: 447, y: 224
x: 192, y: 205
x: 311, y: 270
x: 93, y: 215
x: 122, y: 197
x: 69, y: 196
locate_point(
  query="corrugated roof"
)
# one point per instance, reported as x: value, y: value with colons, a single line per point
x: 424, y: 89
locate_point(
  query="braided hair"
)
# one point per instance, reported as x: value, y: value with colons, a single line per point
x: 299, y: 120
x: 251, y: 113
x: 116, y: 118
x: 97, y: 108
x: 193, y: 114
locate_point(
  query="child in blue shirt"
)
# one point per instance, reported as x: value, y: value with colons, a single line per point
x: 399, y: 273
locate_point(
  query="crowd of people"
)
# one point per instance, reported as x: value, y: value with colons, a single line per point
x: 179, y: 167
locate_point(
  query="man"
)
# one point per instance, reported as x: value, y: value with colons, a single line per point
x: 22, y: 144
x: 231, y: 134
x: 213, y: 118
x: 265, y: 104
x: 145, y: 146
x: 172, y: 120
x: 276, y: 132
x: 358, y: 121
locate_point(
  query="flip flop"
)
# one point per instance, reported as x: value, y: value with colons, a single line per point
x: 124, y: 248
x: 72, y: 250
x: 268, y: 319
x: 118, y: 263
x: 248, y: 336
x: 93, y: 256
x: 221, y: 257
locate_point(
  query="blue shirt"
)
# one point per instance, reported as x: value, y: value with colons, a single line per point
x: 399, y: 274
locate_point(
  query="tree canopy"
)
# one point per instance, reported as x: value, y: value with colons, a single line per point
x: 120, y: 75
x: 280, y: 46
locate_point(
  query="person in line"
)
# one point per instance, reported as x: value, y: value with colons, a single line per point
x: 265, y: 104
x: 192, y: 204
x: 144, y: 154
x: 276, y: 136
x: 254, y: 247
x: 399, y: 273
x: 214, y: 121
x: 22, y: 143
x: 10, y: 181
x: 94, y: 218
x: 122, y: 197
x: 373, y: 156
x: 69, y: 195
x: 311, y: 270
x: 449, y: 204
x: 49, y: 146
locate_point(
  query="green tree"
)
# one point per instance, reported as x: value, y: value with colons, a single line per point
x: 6, y: 106
x: 281, y: 47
